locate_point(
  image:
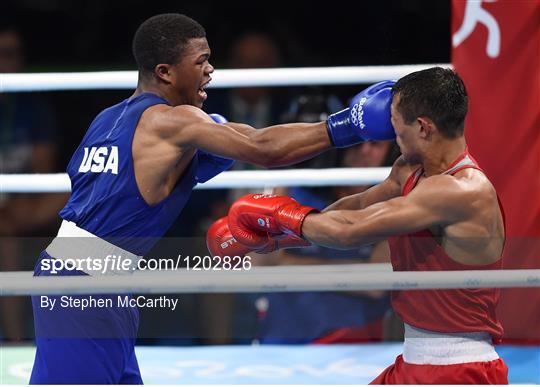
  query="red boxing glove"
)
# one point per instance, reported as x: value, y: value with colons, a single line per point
x: 221, y: 243
x: 254, y: 216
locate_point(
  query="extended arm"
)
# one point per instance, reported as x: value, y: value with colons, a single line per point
x: 438, y: 201
x: 270, y: 147
x: 368, y: 118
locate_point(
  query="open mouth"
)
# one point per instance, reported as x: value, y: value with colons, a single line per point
x: 202, y: 90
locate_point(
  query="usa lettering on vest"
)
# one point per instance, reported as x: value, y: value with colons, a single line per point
x: 100, y: 159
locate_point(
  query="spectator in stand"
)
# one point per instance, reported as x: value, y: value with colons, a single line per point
x: 27, y: 145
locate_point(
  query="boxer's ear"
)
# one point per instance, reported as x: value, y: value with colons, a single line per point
x: 427, y: 127
x: 163, y: 71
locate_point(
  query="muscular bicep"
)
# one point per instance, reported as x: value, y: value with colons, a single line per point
x: 400, y: 215
x: 187, y: 126
x: 274, y: 146
x: 222, y: 140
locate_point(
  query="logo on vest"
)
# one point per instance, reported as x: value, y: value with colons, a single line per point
x: 100, y: 160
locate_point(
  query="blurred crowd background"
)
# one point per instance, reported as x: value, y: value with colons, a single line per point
x: 39, y: 131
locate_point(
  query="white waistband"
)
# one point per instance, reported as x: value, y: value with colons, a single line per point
x: 428, y: 347
x: 100, y: 257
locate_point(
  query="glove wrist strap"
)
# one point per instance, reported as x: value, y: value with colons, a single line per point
x: 340, y: 130
x: 291, y: 222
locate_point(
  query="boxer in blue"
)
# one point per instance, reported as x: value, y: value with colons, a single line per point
x: 132, y: 174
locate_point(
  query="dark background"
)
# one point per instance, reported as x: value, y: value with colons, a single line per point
x: 91, y: 35
x: 64, y: 35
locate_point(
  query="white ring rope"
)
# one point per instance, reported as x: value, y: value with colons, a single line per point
x: 259, y: 279
x: 265, y: 279
x: 59, y: 182
x: 299, y: 76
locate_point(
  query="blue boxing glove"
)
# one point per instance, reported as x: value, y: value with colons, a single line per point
x: 218, y: 118
x: 366, y: 119
x: 211, y: 165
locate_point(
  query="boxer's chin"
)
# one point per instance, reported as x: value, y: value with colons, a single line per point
x: 410, y: 158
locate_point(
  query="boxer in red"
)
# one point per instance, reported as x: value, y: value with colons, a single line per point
x: 438, y: 210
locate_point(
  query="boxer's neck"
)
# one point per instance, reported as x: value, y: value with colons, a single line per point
x: 161, y: 92
x: 439, y: 158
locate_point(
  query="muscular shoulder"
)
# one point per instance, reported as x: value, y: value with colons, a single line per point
x: 475, y: 185
x: 166, y: 121
x: 461, y: 195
